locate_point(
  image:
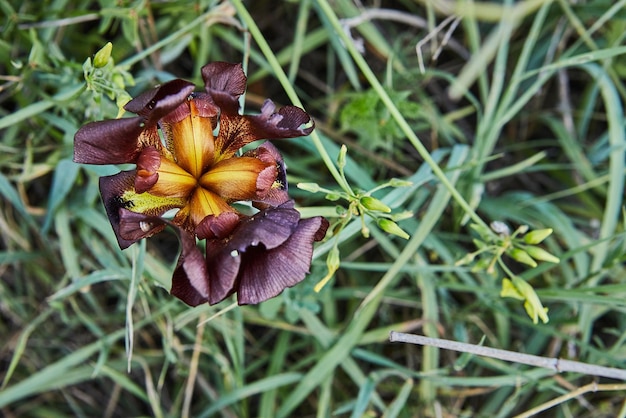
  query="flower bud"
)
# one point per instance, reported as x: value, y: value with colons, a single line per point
x: 537, y: 236
x: 542, y: 255
x: 521, y: 256
x: 341, y: 158
x: 332, y: 263
x: 102, y: 56
x: 466, y: 259
x: 334, y: 196
x: 391, y: 227
x: 372, y: 203
x: 399, y: 183
x: 309, y: 187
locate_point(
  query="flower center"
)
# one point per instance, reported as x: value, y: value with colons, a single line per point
x: 192, y: 168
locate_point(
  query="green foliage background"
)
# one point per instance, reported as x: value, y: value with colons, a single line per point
x: 517, y: 117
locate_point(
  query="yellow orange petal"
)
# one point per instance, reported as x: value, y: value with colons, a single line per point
x: 204, y: 203
x: 173, y: 181
x: 235, y: 178
x: 193, y: 141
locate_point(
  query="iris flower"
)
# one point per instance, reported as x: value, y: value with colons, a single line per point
x: 186, y: 149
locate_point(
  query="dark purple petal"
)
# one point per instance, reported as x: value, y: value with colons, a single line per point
x: 277, y: 195
x: 217, y: 227
x: 158, y: 102
x: 108, y: 141
x: 264, y: 273
x: 225, y: 82
x: 134, y: 226
x: 111, y: 190
x: 266, y: 229
x: 269, y: 228
x: 237, y: 131
x: 223, y: 267
x: 190, y: 282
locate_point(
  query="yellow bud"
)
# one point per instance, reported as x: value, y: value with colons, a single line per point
x: 542, y: 255
x: 102, y: 56
x: 535, y: 237
x: 372, y: 203
x: 332, y: 263
x: 341, y: 158
x: 309, y: 187
x: 391, y: 227
x: 521, y: 256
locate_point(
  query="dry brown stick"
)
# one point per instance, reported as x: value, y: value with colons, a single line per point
x: 556, y: 364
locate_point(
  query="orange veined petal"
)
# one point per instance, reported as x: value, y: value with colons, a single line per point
x: 173, y: 181
x: 193, y: 140
x: 237, y: 178
x: 204, y: 203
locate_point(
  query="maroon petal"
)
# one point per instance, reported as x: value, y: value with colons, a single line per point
x: 134, y: 226
x: 111, y: 190
x: 190, y: 282
x: 217, y: 227
x: 264, y: 274
x: 269, y: 228
x: 277, y: 194
x: 223, y: 267
x: 237, y: 131
x: 108, y: 141
x: 266, y: 229
x: 225, y: 82
x: 158, y: 102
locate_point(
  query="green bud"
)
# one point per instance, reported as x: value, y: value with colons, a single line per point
x: 309, y: 187
x: 332, y: 263
x: 537, y: 236
x: 341, y: 211
x: 467, y: 258
x: 482, y: 264
x: 372, y: 203
x: 542, y: 255
x: 391, y: 227
x: 399, y: 183
x: 341, y: 158
x: 333, y: 197
x: 521, y: 230
x: 102, y: 56
x: 521, y: 256
x: 118, y: 81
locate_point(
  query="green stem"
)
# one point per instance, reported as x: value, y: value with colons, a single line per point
x: 395, y: 113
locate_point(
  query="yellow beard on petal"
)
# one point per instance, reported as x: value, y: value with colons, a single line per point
x: 150, y: 204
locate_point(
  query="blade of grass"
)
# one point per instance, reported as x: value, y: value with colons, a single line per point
x: 366, y: 311
x: 397, y: 116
